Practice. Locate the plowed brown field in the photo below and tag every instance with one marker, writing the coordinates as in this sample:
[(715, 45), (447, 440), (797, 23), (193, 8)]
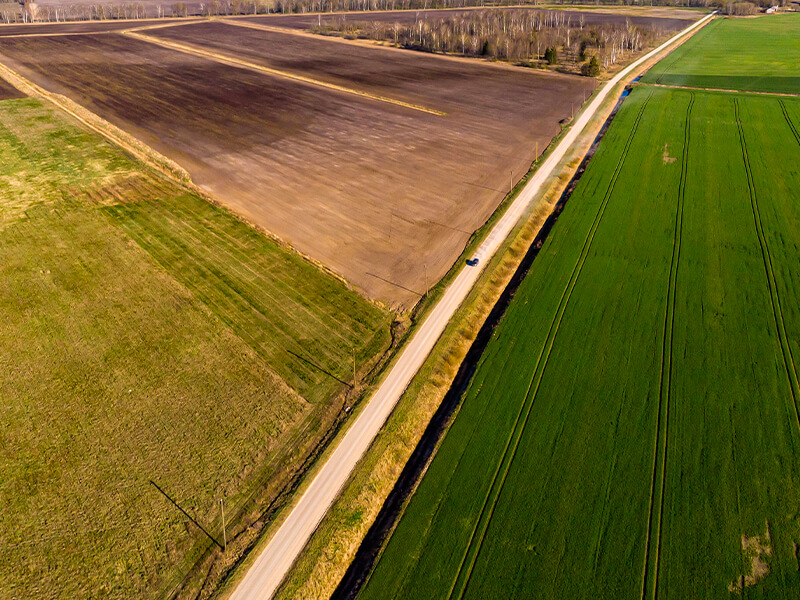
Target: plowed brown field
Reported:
[(8, 91), (379, 193)]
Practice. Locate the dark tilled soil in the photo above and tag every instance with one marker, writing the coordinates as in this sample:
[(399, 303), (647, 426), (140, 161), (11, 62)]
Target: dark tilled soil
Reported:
[(8, 91), (39, 29), (379, 193)]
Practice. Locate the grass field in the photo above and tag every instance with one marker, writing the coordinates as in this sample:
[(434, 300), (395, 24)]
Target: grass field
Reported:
[(146, 335), (759, 55), (632, 429)]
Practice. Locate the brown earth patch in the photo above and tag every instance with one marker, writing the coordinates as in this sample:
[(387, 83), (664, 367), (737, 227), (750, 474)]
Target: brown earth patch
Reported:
[(8, 91), (666, 157), (756, 549), (379, 193)]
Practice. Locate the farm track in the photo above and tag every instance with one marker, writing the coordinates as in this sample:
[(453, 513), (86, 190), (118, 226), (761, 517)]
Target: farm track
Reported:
[(650, 573), (237, 62), (769, 269), (495, 489), (724, 90)]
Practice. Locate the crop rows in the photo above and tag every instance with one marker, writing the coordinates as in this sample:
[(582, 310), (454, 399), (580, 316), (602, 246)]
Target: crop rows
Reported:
[(659, 457)]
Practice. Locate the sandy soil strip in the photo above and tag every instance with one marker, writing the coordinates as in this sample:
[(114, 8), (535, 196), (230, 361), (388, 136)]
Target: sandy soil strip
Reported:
[(236, 62)]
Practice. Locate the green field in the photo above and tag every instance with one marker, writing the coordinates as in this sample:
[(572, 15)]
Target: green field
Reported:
[(632, 429), (760, 54), (145, 335)]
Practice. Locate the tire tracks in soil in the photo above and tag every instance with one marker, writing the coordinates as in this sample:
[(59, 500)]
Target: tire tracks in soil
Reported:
[(464, 573)]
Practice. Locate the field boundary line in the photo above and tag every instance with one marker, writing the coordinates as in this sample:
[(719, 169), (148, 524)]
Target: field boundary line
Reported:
[(538, 373), (124, 140), (191, 21), (266, 569), (722, 90), (766, 257), (667, 68), (665, 377), (56, 34), (237, 62)]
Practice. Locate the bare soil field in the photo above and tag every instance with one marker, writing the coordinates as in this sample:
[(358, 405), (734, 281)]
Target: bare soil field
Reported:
[(673, 22), (8, 91), (384, 195), (40, 29)]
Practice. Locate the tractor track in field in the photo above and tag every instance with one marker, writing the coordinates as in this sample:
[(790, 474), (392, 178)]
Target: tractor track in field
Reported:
[(789, 122), (769, 269), (665, 384), (465, 569)]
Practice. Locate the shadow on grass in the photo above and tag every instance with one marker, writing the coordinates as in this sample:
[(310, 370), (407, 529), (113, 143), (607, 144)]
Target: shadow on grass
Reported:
[(318, 368)]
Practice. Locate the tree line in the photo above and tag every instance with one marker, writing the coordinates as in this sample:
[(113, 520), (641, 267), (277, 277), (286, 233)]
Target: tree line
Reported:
[(531, 38), (27, 11)]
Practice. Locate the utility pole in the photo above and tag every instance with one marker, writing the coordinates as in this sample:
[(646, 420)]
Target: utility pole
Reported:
[(224, 533), (511, 180), (426, 278), (537, 150)]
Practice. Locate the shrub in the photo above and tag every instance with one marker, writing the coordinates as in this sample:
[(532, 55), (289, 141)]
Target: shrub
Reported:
[(591, 68)]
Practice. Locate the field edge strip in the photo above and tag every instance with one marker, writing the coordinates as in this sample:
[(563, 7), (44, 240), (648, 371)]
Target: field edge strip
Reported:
[(521, 421), (237, 62), (127, 142)]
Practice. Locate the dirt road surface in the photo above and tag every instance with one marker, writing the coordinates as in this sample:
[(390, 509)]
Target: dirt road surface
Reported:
[(274, 562)]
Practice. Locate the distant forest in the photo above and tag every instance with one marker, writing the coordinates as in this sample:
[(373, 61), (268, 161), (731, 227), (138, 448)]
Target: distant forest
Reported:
[(26, 11), (530, 38)]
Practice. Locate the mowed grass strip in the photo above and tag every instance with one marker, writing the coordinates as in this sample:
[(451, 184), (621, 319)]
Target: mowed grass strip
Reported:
[(142, 335), (306, 326), (572, 517), (756, 55)]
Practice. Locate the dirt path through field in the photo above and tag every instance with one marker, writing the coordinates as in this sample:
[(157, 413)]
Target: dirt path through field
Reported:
[(726, 91)]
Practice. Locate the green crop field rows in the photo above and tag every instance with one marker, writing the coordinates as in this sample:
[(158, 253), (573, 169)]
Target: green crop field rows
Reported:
[(758, 55), (632, 429), (145, 335)]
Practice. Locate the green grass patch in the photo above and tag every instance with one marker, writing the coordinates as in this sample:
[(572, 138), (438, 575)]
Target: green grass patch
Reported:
[(635, 410), (146, 335), (756, 55)]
